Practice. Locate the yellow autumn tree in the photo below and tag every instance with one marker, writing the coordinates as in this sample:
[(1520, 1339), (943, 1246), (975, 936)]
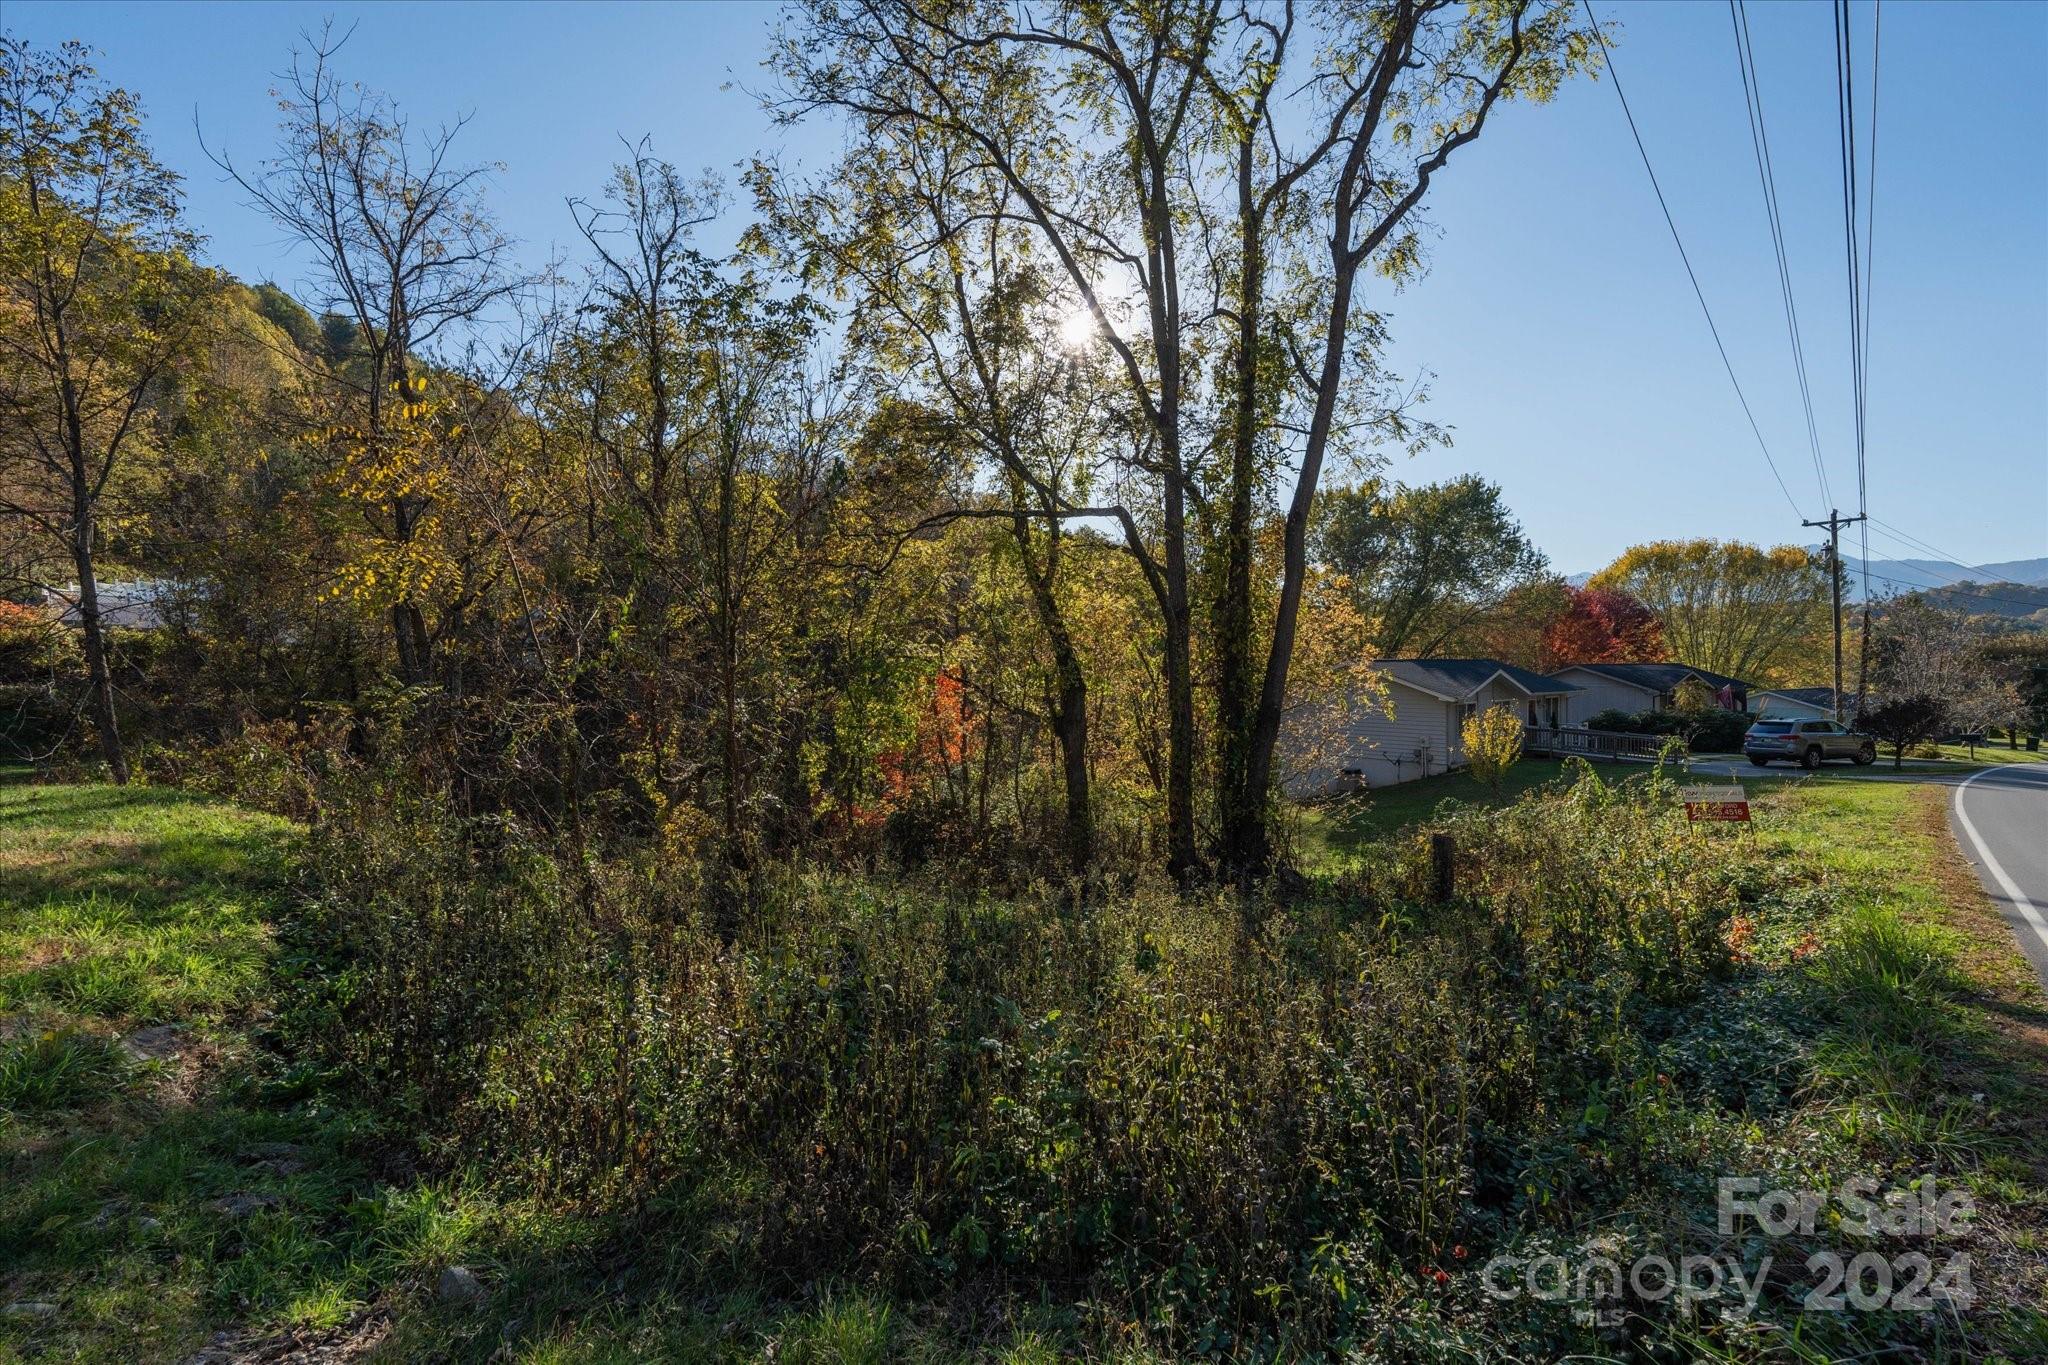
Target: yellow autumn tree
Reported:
[(1493, 742), (396, 478)]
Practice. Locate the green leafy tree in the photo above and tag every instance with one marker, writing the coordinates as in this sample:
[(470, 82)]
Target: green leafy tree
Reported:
[(1217, 184), (1427, 564), (99, 301)]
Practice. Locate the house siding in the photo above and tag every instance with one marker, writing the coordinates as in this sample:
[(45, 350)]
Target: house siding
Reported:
[(1416, 740), (1787, 708), (1598, 693)]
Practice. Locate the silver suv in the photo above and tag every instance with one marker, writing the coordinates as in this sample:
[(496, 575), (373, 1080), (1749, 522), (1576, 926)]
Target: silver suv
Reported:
[(1806, 742)]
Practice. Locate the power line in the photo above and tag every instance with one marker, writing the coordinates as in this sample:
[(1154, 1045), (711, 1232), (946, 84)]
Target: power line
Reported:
[(1859, 331), (1608, 55), (1975, 596), (1845, 110), (1760, 145), (1947, 578), (1869, 269), (1914, 540)]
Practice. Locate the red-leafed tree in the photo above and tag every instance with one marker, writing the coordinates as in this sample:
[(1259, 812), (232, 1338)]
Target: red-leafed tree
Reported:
[(1603, 626)]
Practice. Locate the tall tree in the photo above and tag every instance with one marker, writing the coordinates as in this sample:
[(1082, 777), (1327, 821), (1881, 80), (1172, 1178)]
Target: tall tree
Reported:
[(1211, 180), (1728, 606), (405, 250), (712, 450), (956, 303), (1399, 88), (1084, 117), (1425, 562), (1602, 626), (100, 300)]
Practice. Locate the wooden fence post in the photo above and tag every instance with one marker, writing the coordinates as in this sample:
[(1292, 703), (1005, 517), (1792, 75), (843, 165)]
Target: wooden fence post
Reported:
[(1443, 867)]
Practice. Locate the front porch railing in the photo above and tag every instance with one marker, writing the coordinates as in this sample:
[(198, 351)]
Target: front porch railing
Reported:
[(1589, 743)]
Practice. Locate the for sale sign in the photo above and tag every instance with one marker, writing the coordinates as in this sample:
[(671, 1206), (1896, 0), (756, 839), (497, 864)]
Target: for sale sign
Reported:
[(1728, 802)]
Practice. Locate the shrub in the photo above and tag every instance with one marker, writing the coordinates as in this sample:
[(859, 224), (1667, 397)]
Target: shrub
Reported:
[(1226, 1131), (276, 766), (1709, 731), (1492, 740)]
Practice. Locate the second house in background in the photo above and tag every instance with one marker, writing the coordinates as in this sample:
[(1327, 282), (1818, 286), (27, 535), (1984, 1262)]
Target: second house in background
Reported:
[(1636, 688)]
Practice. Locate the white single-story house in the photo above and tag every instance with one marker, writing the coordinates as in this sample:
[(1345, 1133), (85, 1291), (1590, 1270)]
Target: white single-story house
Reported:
[(126, 604), (1797, 703), (1415, 731), (1635, 688)]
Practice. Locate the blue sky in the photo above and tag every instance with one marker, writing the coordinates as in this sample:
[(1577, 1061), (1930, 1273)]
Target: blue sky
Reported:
[(1567, 351)]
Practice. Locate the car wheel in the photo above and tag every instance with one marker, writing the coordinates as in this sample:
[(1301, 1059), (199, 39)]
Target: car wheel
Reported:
[(1866, 755), (1810, 759), (1760, 762)]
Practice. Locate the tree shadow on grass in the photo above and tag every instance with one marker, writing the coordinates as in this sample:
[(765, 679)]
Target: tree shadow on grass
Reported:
[(162, 852)]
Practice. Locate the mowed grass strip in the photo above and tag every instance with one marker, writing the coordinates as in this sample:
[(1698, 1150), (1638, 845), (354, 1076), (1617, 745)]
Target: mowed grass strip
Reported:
[(132, 906), (148, 1173)]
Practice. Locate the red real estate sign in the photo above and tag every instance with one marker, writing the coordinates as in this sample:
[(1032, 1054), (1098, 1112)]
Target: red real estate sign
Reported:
[(1715, 803)]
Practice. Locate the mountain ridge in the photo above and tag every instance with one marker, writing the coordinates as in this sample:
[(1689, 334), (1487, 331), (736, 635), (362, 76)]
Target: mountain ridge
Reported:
[(1911, 575)]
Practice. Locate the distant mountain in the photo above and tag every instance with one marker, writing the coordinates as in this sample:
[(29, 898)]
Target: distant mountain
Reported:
[(1907, 575), (2020, 605), (1888, 576)]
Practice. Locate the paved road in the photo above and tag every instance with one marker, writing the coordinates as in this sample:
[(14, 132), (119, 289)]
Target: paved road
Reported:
[(2000, 817)]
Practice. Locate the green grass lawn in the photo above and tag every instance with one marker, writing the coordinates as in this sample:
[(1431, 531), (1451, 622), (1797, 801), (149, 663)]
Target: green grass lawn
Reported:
[(152, 1195), (1335, 829), (1963, 989), (1993, 753)]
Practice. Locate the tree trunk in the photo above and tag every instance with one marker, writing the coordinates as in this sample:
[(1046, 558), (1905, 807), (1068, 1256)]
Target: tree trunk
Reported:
[(1252, 837), (1183, 862), (1070, 701), (1242, 845), (409, 633), (99, 673), (1070, 723)]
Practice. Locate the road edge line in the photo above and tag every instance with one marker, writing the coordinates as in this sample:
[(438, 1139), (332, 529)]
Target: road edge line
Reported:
[(1991, 863)]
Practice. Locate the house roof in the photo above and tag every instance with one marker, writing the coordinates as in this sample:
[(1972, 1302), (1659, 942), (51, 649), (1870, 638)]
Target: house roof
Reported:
[(1661, 677), (1457, 679), (1810, 696)]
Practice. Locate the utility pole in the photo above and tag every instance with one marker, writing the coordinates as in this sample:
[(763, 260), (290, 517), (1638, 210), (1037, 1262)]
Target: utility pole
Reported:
[(1835, 522)]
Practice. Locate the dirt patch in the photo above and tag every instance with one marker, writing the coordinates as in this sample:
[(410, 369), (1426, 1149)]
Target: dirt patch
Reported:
[(46, 952)]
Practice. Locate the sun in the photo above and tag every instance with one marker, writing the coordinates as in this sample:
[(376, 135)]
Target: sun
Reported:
[(1077, 329)]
